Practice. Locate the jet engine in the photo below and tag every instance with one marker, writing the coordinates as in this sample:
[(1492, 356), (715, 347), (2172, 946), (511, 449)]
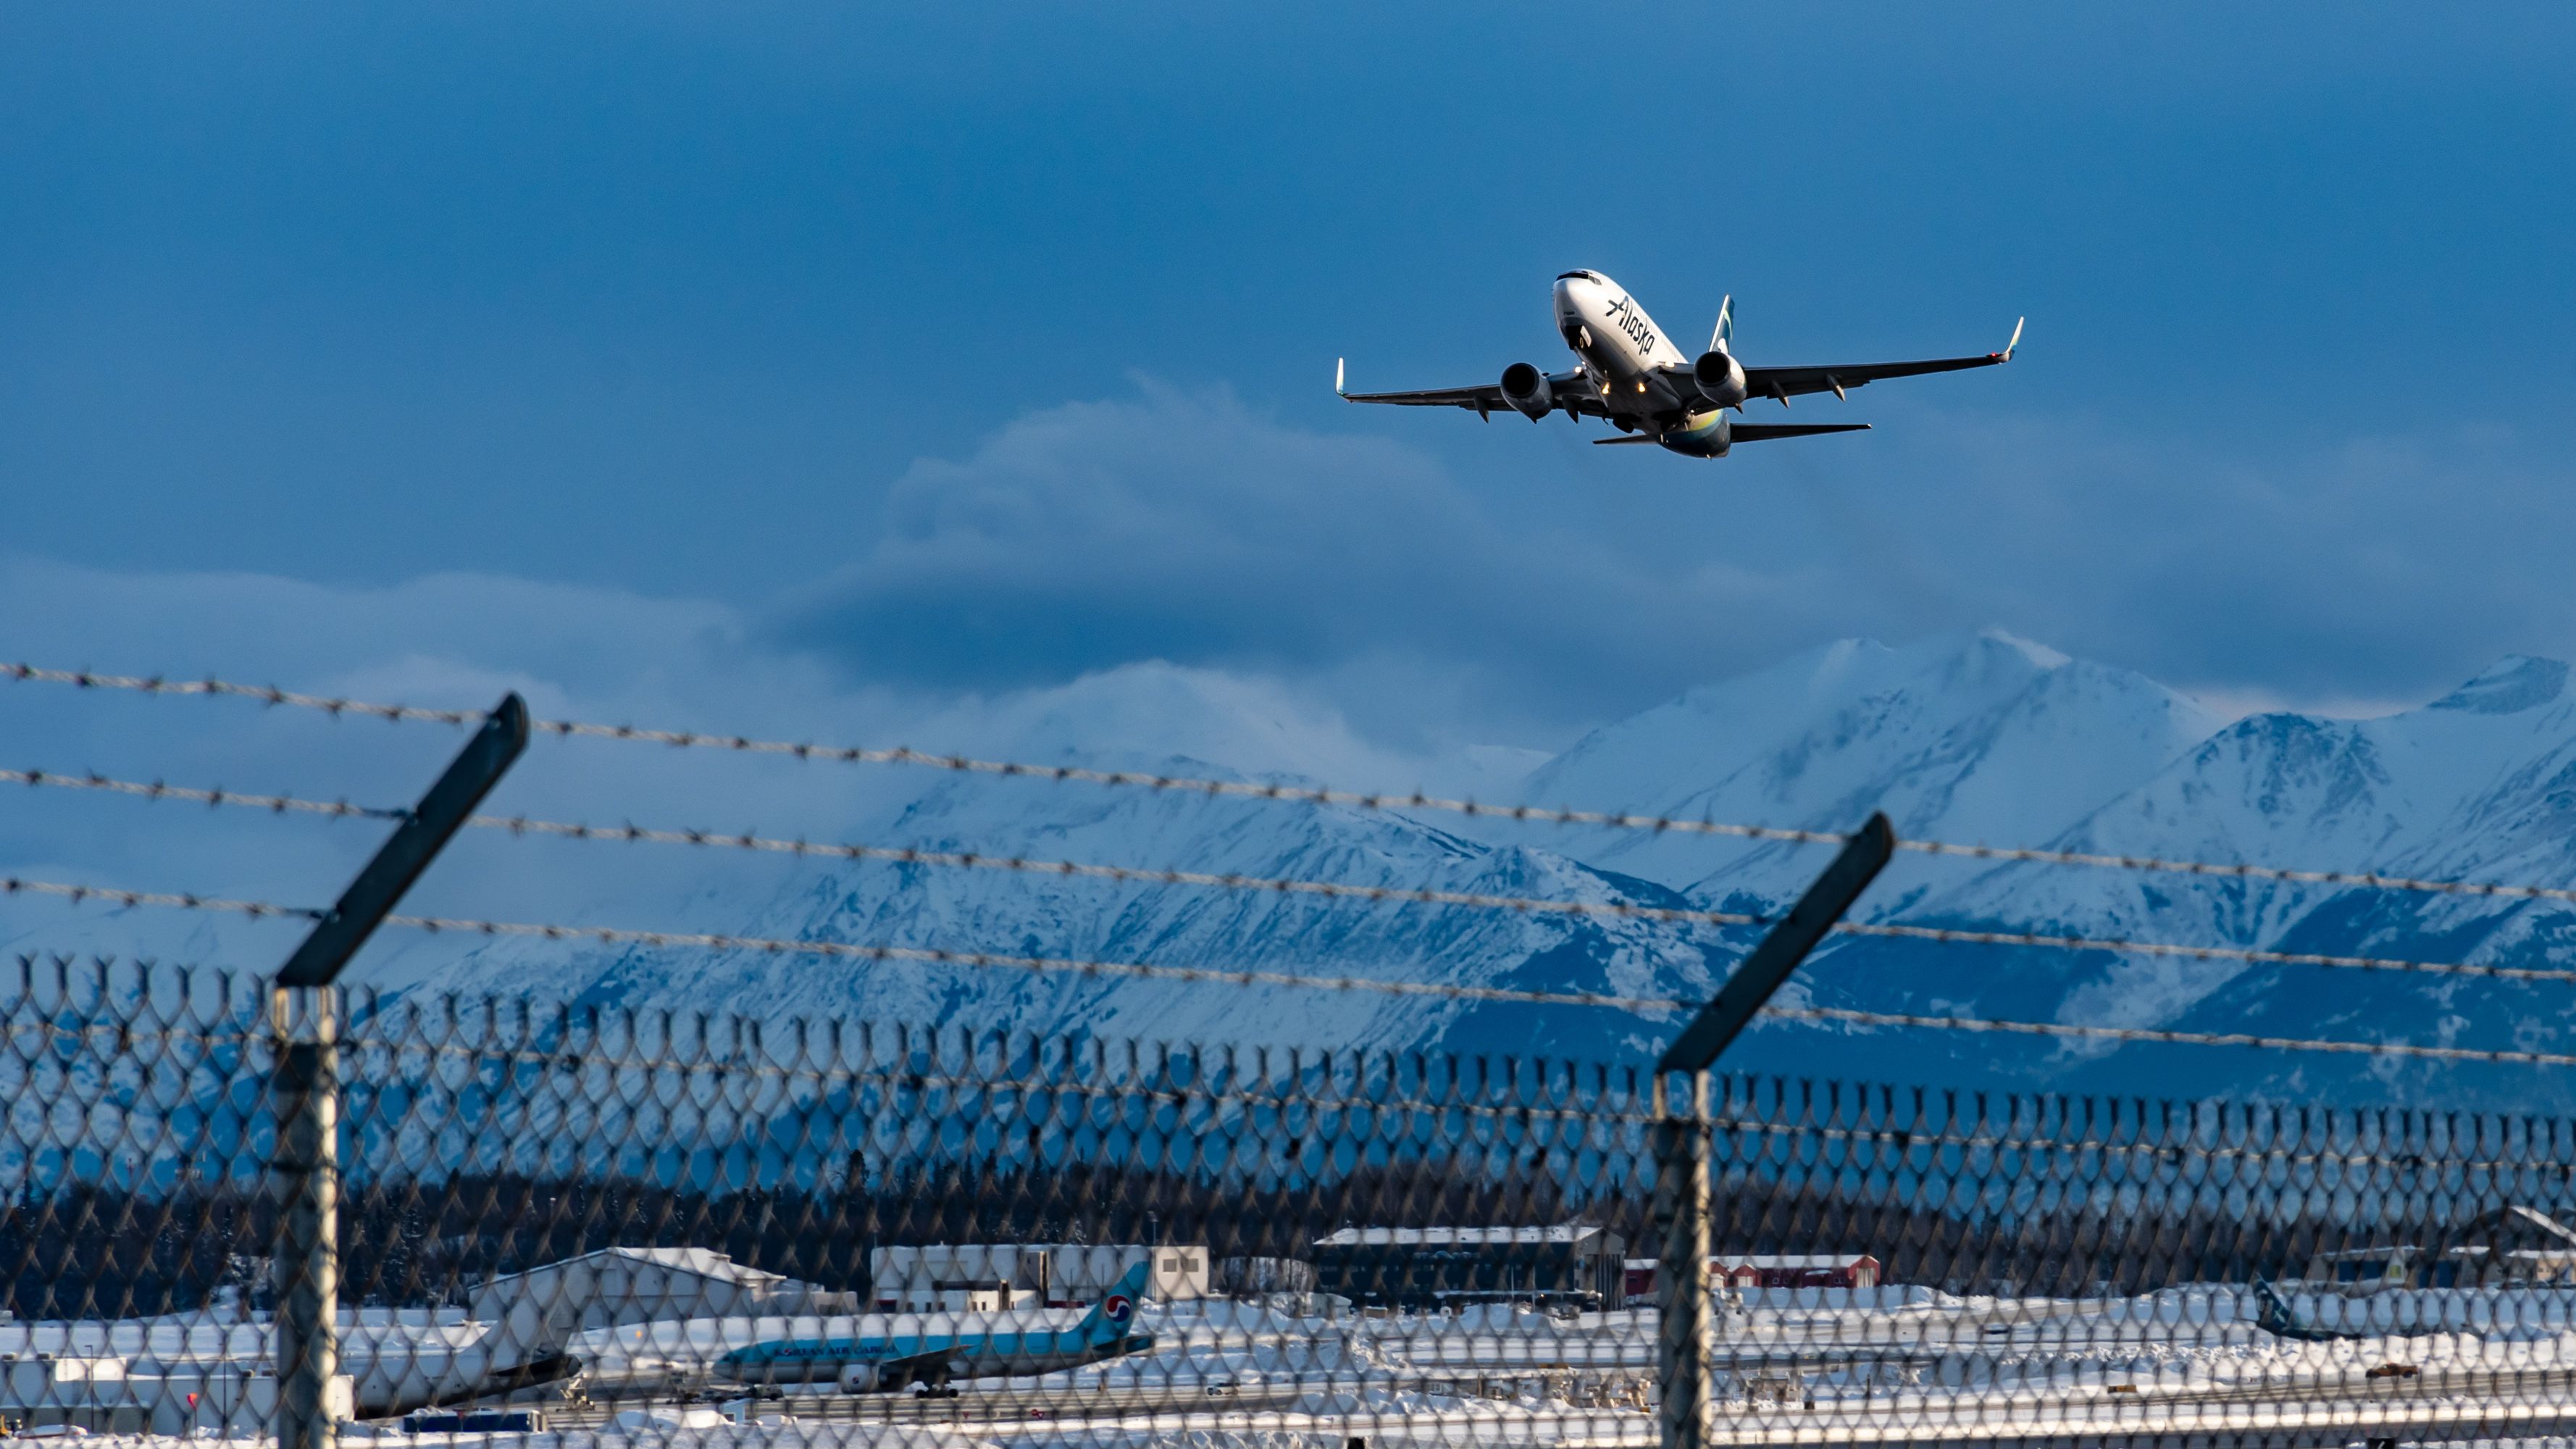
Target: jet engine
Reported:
[(1719, 377), (860, 1378), (1525, 388)]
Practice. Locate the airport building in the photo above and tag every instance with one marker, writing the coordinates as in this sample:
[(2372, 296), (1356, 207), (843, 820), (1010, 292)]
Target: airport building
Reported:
[(1261, 1277), (994, 1277), (1794, 1270), (1569, 1263), (2510, 1245), (616, 1286), (1639, 1282)]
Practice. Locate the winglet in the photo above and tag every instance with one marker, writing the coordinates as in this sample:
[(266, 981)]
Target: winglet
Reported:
[(2006, 354), (1337, 372)]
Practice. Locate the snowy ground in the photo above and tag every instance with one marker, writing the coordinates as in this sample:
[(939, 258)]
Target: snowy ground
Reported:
[(1879, 1366)]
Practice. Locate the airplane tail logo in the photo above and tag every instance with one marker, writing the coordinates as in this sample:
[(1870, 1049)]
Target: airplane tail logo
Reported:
[(1117, 1307)]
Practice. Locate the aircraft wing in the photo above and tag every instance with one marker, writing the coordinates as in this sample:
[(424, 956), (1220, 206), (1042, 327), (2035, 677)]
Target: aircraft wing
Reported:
[(1765, 432), (1568, 389), (1751, 433), (1785, 383)]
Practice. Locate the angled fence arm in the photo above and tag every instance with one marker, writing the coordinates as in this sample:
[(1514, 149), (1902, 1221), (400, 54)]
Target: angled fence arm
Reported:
[(1681, 1204), (414, 844), (305, 1094), (1767, 968)]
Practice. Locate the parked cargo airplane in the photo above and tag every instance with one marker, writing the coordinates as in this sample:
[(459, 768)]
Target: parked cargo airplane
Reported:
[(887, 1353), (2281, 1321), (1628, 371), (393, 1373), (392, 1369)]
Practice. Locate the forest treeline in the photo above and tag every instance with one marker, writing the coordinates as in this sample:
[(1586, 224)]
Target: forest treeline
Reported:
[(87, 1251)]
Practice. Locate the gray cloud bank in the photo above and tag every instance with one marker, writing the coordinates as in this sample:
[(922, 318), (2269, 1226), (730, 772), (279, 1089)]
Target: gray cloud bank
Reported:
[(1187, 527)]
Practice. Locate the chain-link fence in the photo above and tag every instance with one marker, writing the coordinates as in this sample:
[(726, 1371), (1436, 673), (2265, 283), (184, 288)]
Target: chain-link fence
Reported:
[(583, 1220)]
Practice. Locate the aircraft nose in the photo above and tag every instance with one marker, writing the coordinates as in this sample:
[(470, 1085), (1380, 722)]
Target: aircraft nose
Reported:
[(1575, 296)]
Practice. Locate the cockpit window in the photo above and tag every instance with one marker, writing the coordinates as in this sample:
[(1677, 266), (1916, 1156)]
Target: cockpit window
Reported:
[(1576, 276)]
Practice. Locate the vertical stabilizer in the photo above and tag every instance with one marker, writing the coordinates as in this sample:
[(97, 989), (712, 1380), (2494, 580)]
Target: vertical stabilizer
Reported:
[(2276, 1317), (1109, 1318), (1723, 339)]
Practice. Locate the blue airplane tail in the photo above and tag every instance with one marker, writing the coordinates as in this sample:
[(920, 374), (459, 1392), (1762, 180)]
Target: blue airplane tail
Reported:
[(2276, 1316), (1115, 1313)]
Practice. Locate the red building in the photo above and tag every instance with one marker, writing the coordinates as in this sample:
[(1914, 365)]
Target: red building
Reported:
[(1786, 1270), (1637, 1280), (1795, 1270)]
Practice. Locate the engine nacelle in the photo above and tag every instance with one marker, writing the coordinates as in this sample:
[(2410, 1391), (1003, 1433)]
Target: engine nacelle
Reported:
[(861, 1378), (1719, 377), (1525, 388)]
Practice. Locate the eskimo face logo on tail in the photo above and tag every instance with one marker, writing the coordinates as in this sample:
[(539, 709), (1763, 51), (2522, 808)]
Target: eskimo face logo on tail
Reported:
[(1118, 1308)]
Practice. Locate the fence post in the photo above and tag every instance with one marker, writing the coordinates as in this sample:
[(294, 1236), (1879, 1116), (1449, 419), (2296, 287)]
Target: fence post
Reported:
[(306, 1268), (1681, 1235), (304, 1022), (1681, 1132)]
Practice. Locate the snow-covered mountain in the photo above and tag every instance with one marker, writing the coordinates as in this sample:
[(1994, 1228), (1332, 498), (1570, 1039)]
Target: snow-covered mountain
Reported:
[(2480, 785), (1989, 739)]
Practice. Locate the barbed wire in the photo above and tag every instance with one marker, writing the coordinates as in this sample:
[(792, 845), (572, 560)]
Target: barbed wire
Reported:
[(2075, 1032), (336, 706), (1947, 935), (156, 790), (611, 935), (614, 936), (908, 855), (212, 687), (618, 936), (76, 894), (1413, 895)]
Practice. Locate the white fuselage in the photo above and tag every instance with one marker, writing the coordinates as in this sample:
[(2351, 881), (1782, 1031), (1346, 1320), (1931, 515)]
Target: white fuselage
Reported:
[(1617, 343)]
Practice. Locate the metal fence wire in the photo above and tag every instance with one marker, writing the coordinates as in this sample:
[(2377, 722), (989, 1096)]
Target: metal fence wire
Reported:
[(438, 1215)]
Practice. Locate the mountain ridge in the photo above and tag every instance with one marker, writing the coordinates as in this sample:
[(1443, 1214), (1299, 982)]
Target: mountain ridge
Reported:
[(1989, 738)]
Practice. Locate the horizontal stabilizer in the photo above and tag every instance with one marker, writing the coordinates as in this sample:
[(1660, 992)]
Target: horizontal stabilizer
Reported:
[(1631, 438), (1765, 432)]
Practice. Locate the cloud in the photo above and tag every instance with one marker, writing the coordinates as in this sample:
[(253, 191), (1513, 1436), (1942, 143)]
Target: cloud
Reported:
[(1183, 526), (574, 652), (1423, 606), (2369, 570)]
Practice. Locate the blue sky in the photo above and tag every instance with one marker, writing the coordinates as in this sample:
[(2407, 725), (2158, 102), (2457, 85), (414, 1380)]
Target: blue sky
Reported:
[(950, 350)]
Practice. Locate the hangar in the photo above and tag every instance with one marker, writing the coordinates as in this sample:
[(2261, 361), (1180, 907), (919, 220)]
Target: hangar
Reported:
[(995, 1277), (616, 1286), (1575, 1263)]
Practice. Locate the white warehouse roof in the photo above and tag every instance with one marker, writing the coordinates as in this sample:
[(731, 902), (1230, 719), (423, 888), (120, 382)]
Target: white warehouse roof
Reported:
[(693, 1262), (1385, 1237)]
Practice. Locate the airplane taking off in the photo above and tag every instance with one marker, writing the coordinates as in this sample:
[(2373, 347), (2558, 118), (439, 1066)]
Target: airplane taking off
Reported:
[(1628, 371)]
